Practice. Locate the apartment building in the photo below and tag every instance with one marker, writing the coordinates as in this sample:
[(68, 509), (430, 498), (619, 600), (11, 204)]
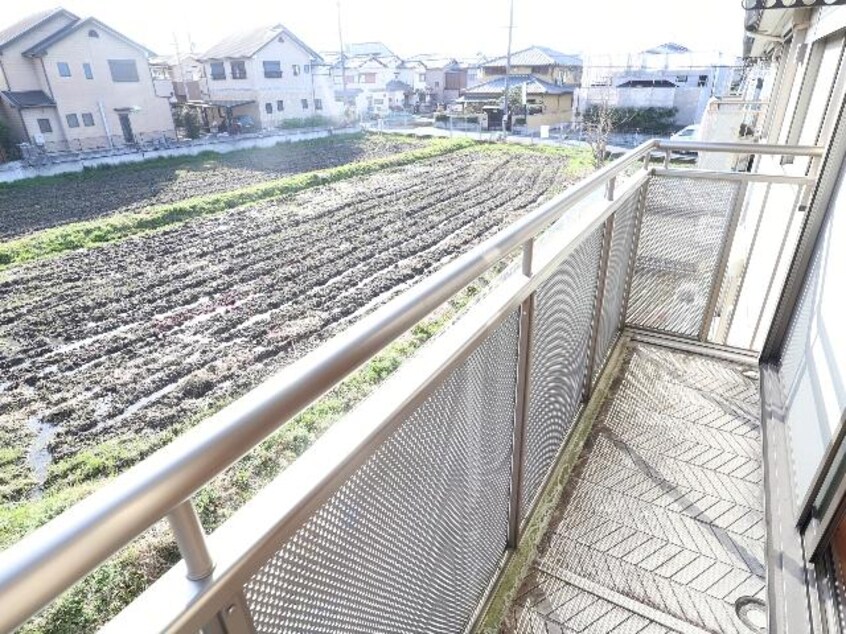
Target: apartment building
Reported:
[(269, 75), (68, 83)]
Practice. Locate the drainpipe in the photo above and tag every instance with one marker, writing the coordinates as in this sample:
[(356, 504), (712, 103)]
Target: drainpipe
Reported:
[(105, 124)]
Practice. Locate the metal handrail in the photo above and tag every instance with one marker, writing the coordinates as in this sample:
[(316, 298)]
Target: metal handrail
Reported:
[(53, 557)]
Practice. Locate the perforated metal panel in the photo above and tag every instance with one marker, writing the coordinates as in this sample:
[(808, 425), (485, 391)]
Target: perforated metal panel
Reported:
[(615, 279), (684, 226), (560, 341), (410, 542)]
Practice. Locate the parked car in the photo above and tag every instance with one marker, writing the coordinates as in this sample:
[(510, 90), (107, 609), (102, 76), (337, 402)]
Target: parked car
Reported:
[(688, 133)]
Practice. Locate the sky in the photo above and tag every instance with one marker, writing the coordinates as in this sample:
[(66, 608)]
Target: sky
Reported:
[(457, 28)]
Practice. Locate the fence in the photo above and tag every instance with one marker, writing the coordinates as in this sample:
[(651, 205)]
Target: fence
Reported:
[(400, 516), (103, 146)]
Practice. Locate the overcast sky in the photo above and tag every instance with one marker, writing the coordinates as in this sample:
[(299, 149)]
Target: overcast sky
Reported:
[(449, 27)]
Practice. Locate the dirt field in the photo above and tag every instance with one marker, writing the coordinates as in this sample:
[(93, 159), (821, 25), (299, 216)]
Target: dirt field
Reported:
[(64, 199), (137, 336)]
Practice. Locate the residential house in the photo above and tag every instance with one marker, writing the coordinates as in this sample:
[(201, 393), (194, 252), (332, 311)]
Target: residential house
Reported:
[(444, 77), (69, 83), (377, 80), (546, 79), (185, 74), (667, 76), (266, 74)]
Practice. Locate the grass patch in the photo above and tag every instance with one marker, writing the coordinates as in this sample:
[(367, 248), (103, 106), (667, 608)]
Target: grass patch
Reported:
[(51, 242), (579, 159)]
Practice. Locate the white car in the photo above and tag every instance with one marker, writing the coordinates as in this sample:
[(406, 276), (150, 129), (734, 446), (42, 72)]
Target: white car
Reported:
[(690, 133)]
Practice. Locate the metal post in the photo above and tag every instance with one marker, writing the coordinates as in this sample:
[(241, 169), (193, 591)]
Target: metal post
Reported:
[(528, 254), (666, 159), (607, 233), (647, 158), (609, 189), (191, 540), (521, 414), (722, 263)]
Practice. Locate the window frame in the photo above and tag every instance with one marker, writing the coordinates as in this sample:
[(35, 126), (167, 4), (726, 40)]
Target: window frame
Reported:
[(72, 120), (87, 70), (241, 65), (318, 104), (41, 125), (278, 73), (117, 64), (63, 66), (86, 117), (280, 105), (295, 69), (268, 107), (304, 104), (217, 76)]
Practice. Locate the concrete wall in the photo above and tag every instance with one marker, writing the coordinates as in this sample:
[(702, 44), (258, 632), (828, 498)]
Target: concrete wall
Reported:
[(17, 170)]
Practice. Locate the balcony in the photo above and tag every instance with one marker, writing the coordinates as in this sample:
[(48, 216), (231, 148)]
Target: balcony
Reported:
[(581, 450)]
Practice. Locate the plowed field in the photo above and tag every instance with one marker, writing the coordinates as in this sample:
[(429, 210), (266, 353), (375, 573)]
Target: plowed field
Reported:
[(137, 336)]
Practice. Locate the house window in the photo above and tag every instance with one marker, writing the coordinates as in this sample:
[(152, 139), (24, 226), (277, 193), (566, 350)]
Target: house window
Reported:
[(88, 119), (703, 81), (123, 70), (306, 69), (93, 33), (369, 78), (86, 68), (64, 69), (73, 120), (305, 103), (437, 84), (280, 106), (272, 69), (318, 104), (421, 77), (239, 70), (681, 79), (44, 126), (296, 69), (268, 108), (218, 71)]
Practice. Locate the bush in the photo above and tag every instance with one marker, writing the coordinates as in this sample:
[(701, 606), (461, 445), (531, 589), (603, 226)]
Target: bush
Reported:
[(315, 121), (519, 121), (441, 118), (651, 120)]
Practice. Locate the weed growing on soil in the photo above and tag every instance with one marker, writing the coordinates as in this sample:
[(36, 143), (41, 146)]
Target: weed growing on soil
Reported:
[(91, 233), (111, 587)]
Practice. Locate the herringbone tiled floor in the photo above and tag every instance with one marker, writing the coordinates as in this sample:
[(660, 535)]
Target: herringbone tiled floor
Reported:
[(661, 527)]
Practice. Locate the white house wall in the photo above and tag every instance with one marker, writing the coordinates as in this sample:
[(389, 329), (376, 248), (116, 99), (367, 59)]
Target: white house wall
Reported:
[(101, 96)]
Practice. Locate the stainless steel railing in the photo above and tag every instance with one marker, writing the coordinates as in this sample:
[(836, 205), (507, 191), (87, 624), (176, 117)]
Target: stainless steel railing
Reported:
[(562, 309)]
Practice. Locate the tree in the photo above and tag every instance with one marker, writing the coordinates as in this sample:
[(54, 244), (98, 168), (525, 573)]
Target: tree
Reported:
[(599, 121)]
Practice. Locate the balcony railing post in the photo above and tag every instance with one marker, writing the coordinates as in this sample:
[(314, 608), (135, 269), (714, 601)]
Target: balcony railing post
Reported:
[(521, 414), (666, 159), (607, 233), (521, 404), (191, 541), (609, 189), (722, 263), (630, 269)]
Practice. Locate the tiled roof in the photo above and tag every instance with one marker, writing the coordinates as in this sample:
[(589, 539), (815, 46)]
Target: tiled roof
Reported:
[(248, 43), (41, 47), (28, 98), (534, 86), (538, 56), (21, 27), (668, 47)]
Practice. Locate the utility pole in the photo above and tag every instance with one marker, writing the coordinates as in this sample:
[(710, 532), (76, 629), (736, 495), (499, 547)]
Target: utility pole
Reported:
[(343, 62), (507, 69)]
